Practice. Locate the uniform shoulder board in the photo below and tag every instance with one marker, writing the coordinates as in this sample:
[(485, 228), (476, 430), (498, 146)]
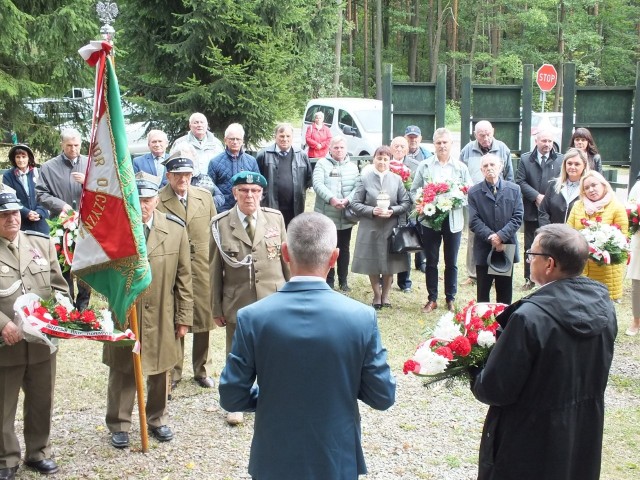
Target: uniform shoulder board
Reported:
[(271, 210), (176, 219), (221, 215), (37, 234)]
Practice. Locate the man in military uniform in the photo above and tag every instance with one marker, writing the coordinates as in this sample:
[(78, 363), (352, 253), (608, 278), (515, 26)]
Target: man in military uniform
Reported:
[(165, 312), (194, 206), (28, 264), (247, 263)]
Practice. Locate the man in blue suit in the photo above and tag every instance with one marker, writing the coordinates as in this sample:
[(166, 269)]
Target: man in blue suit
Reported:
[(152, 162), (314, 353)]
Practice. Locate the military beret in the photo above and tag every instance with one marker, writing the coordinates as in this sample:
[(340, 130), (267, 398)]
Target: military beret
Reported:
[(181, 161), (9, 202), (147, 184), (248, 178)]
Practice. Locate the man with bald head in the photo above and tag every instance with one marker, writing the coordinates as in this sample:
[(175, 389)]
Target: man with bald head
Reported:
[(535, 170), (204, 141), (471, 155)]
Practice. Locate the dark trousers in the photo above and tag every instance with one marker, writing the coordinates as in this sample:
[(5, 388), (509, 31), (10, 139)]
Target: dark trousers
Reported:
[(431, 240), (344, 240), (404, 280), (84, 291), (288, 216), (530, 228), (503, 283)]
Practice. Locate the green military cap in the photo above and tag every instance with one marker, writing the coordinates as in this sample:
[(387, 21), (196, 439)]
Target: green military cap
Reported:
[(248, 178)]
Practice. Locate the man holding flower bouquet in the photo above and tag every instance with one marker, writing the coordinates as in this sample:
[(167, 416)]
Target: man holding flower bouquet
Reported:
[(28, 262), (546, 375), (440, 189)]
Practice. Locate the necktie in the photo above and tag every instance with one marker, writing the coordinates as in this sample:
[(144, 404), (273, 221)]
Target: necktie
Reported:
[(250, 227), (183, 201), (544, 158), (283, 153), (495, 190), (159, 166), (146, 231), (13, 249)]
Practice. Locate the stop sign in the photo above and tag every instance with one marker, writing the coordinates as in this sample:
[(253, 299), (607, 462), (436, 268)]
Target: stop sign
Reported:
[(547, 77)]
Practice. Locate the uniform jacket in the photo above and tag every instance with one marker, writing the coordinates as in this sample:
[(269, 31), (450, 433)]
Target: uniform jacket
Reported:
[(534, 179), (471, 155), (147, 163), (38, 272), (223, 167), (424, 174), (300, 169), (372, 255), (55, 187), (334, 179), (544, 381), (314, 353), (234, 288), (633, 269), (614, 212), (200, 211), (28, 200), (167, 302), (554, 208), (501, 214)]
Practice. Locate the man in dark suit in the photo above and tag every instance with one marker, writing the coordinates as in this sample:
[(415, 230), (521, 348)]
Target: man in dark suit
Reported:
[(314, 353), (152, 162), (28, 262), (535, 170)]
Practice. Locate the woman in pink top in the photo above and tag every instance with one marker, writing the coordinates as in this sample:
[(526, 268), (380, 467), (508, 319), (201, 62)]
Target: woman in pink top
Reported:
[(318, 137)]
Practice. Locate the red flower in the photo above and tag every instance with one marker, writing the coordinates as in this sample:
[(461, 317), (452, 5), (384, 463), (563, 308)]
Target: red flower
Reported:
[(53, 322), (584, 222), (635, 220), (58, 247), (41, 311), (472, 335), (598, 219), (61, 312), (74, 315), (444, 352), (88, 316), (410, 366), (460, 346)]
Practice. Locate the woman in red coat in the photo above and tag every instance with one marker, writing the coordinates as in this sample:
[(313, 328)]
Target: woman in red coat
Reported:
[(318, 137)]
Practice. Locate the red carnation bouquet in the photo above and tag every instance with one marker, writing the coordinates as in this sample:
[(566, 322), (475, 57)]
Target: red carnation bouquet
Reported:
[(64, 231), (58, 318), (458, 341)]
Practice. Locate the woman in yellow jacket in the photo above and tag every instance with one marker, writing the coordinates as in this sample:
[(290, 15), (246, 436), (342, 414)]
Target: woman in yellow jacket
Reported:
[(597, 199)]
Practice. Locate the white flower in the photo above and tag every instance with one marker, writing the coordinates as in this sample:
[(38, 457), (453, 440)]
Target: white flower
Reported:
[(446, 329), (486, 338), (444, 203), (72, 226), (430, 363), (64, 301), (106, 323), (429, 209), (59, 233)]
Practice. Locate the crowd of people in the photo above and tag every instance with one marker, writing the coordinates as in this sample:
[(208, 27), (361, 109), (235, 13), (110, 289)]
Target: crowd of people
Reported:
[(226, 234)]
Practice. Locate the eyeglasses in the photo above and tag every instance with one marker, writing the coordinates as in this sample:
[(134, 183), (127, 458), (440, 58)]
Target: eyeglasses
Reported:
[(250, 191), (235, 139), (531, 254)]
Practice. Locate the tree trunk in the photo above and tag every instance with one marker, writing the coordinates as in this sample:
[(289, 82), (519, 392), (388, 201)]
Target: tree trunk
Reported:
[(350, 15), (454, 48), (413, 42), (430, 33), (436, 42), (378, 49), (476, 30), (365, 70), (338, 51)]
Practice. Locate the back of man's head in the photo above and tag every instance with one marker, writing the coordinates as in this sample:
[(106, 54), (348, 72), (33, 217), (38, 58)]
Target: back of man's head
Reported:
[(567, 246), (311, 239)]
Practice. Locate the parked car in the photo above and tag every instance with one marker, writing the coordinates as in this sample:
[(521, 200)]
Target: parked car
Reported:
[(358, 119)]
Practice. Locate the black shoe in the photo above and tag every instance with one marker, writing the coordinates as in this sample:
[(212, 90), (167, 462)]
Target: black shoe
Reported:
[(423, 267), (46, 466), (345, 288), (162, 433), (8, 473), (205, 382), (120, 439)]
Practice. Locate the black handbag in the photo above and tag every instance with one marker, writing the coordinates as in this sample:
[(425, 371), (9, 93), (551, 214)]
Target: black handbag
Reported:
[(405, 239)]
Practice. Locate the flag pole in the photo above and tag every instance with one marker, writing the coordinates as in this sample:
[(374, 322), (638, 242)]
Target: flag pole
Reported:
[(137, 369)]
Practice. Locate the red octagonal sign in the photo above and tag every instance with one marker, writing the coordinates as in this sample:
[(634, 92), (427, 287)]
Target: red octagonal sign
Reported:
[(547, 77)]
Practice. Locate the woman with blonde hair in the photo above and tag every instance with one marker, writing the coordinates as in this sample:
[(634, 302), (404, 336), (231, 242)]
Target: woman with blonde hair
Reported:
[(598, 203), (564, 190)]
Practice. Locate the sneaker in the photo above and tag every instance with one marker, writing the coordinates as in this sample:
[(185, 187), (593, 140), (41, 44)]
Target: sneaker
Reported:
[(235, 418)]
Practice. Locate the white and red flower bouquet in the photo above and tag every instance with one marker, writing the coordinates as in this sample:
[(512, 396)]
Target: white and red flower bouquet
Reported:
[(607, 244), (458, 341), (64, 231), (58, 318), (435, 200), (633, 212), (403, 171)]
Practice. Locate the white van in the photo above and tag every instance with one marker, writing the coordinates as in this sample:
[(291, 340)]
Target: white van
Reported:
[(358, 119)]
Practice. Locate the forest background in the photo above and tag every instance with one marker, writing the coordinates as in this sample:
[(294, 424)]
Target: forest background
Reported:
[(257, 62)]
